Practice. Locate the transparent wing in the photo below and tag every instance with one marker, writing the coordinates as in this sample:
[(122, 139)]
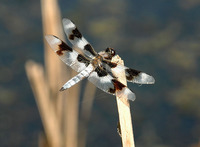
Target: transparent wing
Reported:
[(138, 77), (76, 61), (76, 38)]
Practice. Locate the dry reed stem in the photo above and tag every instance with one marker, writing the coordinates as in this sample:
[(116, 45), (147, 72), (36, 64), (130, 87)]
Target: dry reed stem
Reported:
[(59, 111), (67, 109), (42, 140), (71, 117), (86, 109), (51, 21), (124, 111), (39, 86)]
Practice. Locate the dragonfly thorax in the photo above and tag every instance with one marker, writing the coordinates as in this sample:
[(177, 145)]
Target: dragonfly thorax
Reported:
[(97, 61)]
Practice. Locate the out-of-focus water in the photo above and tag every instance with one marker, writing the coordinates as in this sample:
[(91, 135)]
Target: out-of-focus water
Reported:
[(159, 37)]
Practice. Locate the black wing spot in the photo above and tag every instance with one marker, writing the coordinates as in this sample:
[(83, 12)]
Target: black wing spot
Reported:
[(83, 59), (111, 90), (90, 49), (75, 33), (63, 47), (101, 72), (131, 73), (71, 37), (110, 64), (117, 86)]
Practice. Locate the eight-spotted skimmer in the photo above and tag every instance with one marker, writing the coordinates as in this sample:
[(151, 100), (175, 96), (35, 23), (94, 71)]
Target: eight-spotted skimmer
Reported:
[(96, 66)]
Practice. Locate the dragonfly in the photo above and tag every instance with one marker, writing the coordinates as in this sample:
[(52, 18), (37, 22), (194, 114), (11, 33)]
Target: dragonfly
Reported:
[(97, 67)]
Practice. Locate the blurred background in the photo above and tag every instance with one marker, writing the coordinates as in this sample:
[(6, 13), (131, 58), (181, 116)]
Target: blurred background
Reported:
[(159, 37)]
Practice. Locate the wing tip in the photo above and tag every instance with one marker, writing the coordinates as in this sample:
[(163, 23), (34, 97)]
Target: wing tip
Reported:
[(65, 19), (49, 38), (126, 93), (144, 78), (152, 80), (130, 95), (53, 41), (67, 22)]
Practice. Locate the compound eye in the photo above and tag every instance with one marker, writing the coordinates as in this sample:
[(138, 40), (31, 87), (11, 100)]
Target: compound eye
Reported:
[(112, 52), (107, 50)]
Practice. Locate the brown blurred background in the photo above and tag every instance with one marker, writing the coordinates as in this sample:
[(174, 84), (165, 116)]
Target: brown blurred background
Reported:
[(158, 37)]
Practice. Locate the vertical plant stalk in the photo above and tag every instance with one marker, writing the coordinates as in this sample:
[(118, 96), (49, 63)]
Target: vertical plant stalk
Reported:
[(42, 140), (124, 111), (51, 21), (35, 73), (59, 116), (71, 117), (85, 113), (55, 70), (66, 102)]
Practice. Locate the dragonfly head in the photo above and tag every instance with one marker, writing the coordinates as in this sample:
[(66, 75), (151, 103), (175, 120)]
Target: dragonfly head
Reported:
[(110, 52)]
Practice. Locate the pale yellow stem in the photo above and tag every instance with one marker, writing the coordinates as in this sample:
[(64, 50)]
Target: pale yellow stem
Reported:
[(124, 111), (35, 74)]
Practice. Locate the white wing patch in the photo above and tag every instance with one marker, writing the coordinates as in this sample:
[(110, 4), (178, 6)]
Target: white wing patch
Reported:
[(126, 92), (103, 83), (143, 78)]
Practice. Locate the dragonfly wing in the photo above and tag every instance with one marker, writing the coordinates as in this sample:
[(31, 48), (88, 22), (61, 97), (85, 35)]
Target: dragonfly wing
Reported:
[(132, 75), (77, 39), (76, 61), (104, 81)]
